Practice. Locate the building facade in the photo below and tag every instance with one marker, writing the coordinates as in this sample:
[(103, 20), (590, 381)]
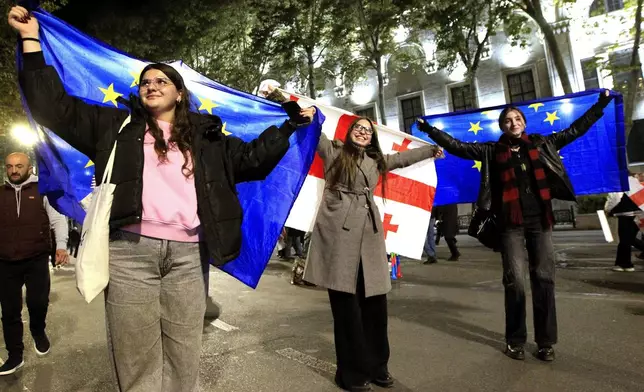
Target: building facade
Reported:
[(589, 32)]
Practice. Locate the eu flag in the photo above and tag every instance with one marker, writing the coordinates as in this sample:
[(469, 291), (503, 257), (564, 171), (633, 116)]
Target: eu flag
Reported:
[(99, 75), (596, 162)]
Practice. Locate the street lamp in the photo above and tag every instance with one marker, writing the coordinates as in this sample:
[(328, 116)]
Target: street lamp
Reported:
[(24, 135)]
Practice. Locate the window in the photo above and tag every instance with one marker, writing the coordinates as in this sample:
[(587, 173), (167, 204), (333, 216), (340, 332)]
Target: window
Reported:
[(369, 113), (600, 7), (620, 61), (461, 98), (411, 110), (521, 86), (589, 70)]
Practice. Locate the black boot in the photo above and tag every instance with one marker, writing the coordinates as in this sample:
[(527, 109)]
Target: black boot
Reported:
[(451, 244)]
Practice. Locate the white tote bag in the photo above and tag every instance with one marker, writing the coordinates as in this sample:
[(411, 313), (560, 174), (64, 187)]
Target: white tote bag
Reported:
[(93, 261)]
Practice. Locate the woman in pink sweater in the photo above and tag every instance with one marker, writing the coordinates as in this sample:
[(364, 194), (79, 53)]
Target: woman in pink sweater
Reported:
[(175, 206)]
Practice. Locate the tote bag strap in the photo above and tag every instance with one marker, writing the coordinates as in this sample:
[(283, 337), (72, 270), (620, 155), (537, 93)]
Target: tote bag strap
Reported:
[(107, 174)]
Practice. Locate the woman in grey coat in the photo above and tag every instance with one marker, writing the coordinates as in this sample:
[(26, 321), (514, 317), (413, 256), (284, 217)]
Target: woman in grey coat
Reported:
[(347, 254)]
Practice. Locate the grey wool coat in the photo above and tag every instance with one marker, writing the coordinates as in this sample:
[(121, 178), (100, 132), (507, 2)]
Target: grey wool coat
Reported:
[(348, 227)]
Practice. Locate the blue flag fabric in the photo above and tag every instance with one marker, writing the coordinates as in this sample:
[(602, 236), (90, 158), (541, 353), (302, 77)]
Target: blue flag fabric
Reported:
[(99, 74), (596, 162)]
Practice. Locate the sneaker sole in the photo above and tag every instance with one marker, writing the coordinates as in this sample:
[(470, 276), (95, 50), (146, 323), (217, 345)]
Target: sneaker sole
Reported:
[(12, 371), (41, 354)]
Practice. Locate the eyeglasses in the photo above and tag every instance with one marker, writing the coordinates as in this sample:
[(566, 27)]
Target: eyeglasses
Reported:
[(362, 129), (158, 83)]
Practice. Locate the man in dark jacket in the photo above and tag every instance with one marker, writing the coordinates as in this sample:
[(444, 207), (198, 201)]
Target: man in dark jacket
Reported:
[(520, 175), (25, 244), (448, 216)]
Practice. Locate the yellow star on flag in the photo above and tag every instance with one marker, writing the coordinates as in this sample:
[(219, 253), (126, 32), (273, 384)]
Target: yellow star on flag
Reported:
[(89, 164), (551, 117), (224, 131), (535, 106), (207, 105), (477, 165), (110, 94), (475, 127), (136, 76)]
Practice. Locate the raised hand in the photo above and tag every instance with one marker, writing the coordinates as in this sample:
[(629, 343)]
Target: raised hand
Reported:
[(308, 113), (604, 98), (24, 23)]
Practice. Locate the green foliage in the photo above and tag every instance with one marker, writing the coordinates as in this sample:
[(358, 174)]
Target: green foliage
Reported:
[(590, 204), (463, 29)]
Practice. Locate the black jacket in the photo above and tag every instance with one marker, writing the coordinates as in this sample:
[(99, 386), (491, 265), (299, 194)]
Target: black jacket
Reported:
[(491, 188), (220, 161)]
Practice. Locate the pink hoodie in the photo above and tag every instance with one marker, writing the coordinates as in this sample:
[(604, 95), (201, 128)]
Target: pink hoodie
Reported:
[(169, 198)]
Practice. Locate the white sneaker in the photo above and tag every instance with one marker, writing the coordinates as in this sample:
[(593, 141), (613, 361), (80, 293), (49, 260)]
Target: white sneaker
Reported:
[(10, 367), (622, 269)]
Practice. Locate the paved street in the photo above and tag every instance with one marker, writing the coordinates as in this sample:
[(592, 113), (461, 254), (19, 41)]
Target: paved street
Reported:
[(446, 331)]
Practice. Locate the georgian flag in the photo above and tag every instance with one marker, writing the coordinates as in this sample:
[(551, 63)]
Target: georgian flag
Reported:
[(637, 195), (636, 192), (409, 195)]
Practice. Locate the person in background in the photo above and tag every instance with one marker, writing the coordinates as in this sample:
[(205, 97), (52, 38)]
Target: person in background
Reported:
[(25, 242), (295, 239), (448, 216), (639, 242), (628, 215), (430, 240)]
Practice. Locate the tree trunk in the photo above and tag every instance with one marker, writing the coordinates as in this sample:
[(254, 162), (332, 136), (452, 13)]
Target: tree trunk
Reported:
[(636, 69), (553, 47), (311, 72), (381, 90), (474, 92)]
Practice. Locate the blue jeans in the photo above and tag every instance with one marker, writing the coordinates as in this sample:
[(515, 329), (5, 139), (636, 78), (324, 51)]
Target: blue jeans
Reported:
[(155, 310), (540, 262), (430, 241)]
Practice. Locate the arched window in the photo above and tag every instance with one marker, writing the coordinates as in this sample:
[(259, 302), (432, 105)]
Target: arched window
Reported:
[(600, 7)]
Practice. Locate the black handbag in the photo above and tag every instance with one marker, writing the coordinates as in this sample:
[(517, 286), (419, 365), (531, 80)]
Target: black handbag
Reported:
[(485, 228)]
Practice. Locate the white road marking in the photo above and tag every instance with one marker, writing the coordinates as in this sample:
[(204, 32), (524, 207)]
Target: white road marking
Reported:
[(307, 360), (486, 282), (223, 326)]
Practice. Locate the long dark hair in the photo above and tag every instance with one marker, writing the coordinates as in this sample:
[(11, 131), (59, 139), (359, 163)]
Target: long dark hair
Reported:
[(345, 165), (180, 135)]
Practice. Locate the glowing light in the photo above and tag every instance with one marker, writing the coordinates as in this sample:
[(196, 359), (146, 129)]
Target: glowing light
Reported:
[(566, 108), (515, 56), (430, 50), (400, 34), (24, 135), (438, 125), (492, 114), (458, 73), (324, 100), (362, 94)]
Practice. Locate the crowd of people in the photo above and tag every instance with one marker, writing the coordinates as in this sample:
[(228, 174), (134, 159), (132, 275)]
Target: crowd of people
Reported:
[(160, 247)]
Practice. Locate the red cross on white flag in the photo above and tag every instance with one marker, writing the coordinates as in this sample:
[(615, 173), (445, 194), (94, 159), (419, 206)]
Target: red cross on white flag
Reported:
[(410, 191), (636, 192)]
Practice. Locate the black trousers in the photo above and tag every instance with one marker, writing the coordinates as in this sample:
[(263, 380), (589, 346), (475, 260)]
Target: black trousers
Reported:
[(541, 264), (294, 238), (34, 274), (360, 329), (627, 230)]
